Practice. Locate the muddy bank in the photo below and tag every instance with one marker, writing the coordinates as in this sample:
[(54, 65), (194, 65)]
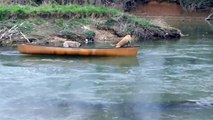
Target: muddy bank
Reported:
[(55, 32), (168, 10), (76, 23)]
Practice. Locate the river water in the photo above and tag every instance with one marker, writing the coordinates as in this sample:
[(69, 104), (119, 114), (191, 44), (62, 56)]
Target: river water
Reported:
[(168, 80)]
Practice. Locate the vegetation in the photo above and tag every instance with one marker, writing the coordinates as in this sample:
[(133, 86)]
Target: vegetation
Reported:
[(74, 22), (127, 4), (7, 12), (60, 11), (61, 2), (89, 34)]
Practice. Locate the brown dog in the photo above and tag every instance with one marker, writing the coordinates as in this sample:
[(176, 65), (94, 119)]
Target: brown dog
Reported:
[(125, 41)]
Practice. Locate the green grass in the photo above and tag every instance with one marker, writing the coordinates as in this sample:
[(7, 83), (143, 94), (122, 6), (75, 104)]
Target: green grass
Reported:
[(141, 21), (38, 21), (79, 22), (111, 22), (7, 11)]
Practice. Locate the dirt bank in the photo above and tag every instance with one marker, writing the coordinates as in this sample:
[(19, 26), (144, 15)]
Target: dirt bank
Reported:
[(82, 24), (96, 30), (167, 10)]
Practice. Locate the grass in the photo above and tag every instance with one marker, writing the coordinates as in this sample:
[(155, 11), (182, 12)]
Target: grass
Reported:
[(59, 11), (111, 22), (141, 21), (79, 22), (38, 21), (7, 11)]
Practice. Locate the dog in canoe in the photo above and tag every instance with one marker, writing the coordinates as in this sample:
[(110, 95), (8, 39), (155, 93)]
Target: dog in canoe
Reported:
[(125, 41)]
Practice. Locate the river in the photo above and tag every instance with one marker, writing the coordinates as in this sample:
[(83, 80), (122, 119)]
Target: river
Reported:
[(168, 80)]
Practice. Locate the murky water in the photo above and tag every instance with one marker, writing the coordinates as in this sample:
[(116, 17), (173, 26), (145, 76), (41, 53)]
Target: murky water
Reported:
[(168, 80)]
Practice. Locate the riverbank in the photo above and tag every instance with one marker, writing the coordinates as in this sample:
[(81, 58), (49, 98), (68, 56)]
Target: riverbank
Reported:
[(54, 24), (169, 10)]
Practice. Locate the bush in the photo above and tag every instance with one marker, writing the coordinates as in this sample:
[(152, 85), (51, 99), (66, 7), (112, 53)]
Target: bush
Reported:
[(110, 22), (89, 34), (4, 14)]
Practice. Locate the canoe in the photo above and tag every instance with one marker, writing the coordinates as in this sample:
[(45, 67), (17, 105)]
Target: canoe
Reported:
[(45, 50)]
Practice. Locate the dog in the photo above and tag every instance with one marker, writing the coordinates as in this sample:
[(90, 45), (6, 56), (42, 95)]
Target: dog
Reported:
[(125, 41), (72, 44)]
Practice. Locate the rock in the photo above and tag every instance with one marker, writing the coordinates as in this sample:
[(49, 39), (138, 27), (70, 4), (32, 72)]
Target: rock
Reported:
[(172, 34)]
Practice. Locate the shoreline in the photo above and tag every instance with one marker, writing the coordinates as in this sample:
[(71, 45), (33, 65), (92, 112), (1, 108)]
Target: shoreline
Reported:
[(76, 23), (174, 18)]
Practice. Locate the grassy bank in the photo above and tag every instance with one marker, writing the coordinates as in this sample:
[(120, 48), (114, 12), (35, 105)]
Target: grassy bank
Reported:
[(189, 5), (55, 10), (60, 11), (75, 22)]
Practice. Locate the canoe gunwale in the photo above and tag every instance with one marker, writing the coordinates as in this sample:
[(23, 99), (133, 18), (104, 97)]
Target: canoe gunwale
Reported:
[(134, 46)]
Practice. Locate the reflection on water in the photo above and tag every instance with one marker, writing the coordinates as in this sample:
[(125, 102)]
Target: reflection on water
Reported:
[(193, 29), (168, 80)]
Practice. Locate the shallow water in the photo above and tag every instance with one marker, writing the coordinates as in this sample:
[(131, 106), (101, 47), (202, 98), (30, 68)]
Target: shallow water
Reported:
[(168, 80)]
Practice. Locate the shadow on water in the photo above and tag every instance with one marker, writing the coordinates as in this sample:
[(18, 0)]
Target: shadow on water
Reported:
[(143, 105), (125, 110), (193, 28)]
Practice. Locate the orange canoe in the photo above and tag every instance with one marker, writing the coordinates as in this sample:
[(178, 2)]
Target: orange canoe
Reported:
[(44, 50)]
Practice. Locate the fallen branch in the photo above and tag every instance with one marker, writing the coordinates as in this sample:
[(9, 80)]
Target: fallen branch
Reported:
[(210, 17), (25, 37), (7, 31)]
